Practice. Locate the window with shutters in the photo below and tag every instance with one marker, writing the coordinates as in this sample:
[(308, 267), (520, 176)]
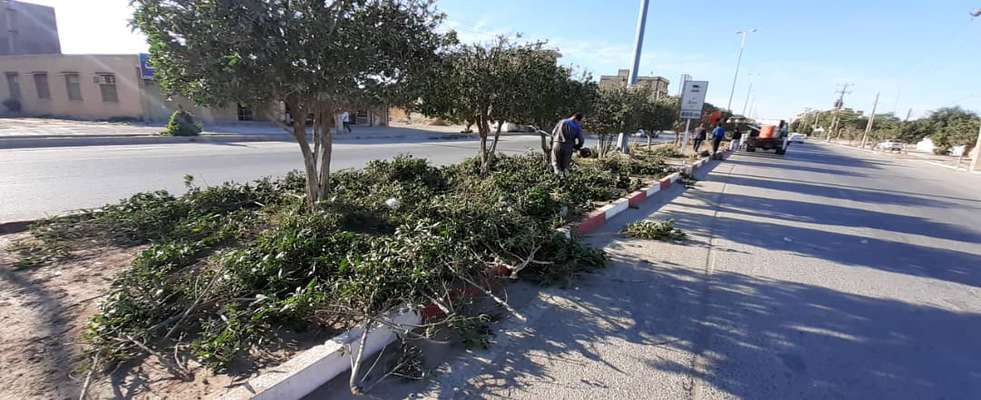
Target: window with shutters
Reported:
[(41, 84), (74, 87), (107, 85), (13, 85)]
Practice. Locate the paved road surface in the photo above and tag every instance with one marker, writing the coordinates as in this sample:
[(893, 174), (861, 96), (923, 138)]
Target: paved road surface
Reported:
[(39, 182), (828, 274)]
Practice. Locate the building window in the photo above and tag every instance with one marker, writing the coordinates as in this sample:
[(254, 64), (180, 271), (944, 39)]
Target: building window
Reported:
[(13, 85), (107, 85), (245, 113), (41, 84), (74, 87)]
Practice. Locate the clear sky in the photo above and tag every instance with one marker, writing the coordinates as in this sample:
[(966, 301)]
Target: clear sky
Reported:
[(920, 54)]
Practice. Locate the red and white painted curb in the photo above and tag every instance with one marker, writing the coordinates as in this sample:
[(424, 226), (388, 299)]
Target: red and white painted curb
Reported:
[(313, 368), (596, 219)]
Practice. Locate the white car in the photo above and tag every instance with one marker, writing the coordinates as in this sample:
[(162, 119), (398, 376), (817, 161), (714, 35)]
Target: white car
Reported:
[(797, 137), (890, 145)]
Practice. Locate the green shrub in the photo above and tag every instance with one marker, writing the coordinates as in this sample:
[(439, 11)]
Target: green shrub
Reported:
[(245, 261), (654, 230), (181, 124)]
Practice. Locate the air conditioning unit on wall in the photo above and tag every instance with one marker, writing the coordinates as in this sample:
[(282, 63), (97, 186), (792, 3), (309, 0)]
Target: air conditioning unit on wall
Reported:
[(104, 79)]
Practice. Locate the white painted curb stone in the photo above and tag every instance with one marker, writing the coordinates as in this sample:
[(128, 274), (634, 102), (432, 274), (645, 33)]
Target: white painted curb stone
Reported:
[(615, 208), (653, 189), (310, 369)]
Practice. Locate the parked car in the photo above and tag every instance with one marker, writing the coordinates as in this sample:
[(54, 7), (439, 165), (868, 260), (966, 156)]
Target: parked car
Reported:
[(797, 137), (890, 145)]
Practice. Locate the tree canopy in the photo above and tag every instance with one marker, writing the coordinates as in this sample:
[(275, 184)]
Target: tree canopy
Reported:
[(503, 80), (316, 57), (947, 126)]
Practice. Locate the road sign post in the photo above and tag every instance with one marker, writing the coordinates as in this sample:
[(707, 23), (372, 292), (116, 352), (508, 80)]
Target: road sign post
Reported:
[(692, 102)]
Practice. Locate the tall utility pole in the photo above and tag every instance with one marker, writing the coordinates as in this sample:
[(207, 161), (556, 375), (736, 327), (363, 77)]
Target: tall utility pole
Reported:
[(868, 126), (739, 59), (748, 92), (803, 121), (838, 105), (639, 46), (976, 164)]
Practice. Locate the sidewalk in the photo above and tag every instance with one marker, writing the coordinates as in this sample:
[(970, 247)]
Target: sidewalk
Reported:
[(40, 132)]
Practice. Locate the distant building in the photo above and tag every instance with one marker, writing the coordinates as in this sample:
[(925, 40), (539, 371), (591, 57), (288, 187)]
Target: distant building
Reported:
[(46, 83), (97, 87), (115, 87), (657, 84), (27, 29)]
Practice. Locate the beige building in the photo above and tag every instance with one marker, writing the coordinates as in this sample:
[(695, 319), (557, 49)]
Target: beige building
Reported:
[(96, 87), (113, 87), (27, 29), (658, 85)]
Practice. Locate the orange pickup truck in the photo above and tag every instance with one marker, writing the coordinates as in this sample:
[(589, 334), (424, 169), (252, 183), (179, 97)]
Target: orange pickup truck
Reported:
[(768, 137)]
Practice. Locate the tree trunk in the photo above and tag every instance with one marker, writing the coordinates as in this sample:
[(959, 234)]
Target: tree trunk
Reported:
[(546, 148), (316, 142), (484, 129), (327, 123), (497, 136), (309, 157)]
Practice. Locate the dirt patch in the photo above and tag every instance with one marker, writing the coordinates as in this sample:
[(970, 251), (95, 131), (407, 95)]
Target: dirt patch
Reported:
[(43, 313)]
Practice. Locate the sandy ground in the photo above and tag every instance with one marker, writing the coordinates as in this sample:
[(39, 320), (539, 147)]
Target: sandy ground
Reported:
[(43, 312)]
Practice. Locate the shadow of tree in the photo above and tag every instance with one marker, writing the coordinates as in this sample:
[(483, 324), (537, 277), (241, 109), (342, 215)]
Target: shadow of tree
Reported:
[(48, 343)]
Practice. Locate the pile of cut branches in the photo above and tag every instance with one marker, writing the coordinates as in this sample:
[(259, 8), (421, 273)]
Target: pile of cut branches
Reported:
[(228, 268)]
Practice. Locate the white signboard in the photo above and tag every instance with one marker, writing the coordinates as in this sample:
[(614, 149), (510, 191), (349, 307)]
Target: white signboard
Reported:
[(693, 98)]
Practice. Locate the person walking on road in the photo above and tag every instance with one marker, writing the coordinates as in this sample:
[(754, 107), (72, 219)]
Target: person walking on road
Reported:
[(698, 138), (718, 134), (346, 121), (737, 140), (566, 138)]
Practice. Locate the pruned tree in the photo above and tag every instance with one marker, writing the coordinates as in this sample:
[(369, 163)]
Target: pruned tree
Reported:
[(616, 110), (316, 57), (556, 94), (490, 83)]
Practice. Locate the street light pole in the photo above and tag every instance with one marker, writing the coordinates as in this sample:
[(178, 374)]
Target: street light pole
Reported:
[(639, 44), (748, 92), (739, 59)]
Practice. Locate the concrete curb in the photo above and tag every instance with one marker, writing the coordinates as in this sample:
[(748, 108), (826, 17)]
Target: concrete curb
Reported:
[(23, 142), (15, 226), (61, 141), (596, 219), (312, 368)]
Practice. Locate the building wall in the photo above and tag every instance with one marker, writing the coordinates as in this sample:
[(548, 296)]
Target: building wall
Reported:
[(123, 68), (658, 85), (27, 29), (136, 98), (159, 106)]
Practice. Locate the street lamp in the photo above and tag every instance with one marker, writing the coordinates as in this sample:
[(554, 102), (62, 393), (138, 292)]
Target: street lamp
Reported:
[(748, 92), (739, 59)]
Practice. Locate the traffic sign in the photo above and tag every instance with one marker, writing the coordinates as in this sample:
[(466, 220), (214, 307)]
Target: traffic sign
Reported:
[(693, 99)]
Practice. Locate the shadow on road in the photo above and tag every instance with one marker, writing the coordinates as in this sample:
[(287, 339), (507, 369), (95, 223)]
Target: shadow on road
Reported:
[(756, 337)]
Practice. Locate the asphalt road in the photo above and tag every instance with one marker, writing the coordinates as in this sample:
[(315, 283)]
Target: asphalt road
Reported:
[(827, 274), (44, 181)]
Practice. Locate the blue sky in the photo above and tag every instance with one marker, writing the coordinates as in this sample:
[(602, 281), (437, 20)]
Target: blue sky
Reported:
[(920, 54)]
